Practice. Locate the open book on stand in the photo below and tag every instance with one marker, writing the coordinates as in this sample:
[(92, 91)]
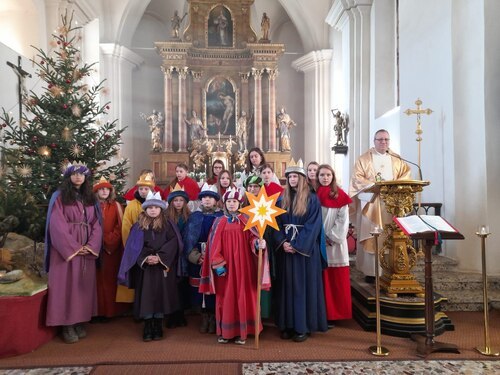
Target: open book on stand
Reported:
[(423, 223)]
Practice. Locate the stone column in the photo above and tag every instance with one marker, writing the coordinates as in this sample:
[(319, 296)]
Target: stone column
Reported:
[(272, 109), (168, 132), (316, 68), (116, 65), (197, 105), (244, 99), (257, 76), (182, 109)]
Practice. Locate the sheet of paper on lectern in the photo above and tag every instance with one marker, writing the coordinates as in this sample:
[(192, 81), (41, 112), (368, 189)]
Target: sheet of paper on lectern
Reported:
[(423, 223)]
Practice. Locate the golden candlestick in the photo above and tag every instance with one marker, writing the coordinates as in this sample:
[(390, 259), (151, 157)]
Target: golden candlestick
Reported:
[(483, 233), (377, 350)]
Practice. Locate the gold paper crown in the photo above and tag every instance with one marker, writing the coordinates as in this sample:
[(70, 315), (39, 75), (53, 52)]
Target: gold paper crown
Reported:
[(177, 187), (295, 167), (146, 180)]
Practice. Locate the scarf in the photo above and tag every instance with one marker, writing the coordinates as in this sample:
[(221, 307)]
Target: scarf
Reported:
[(327, 201)]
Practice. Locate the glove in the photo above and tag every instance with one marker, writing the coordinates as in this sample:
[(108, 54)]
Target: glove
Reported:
[(220, 271)]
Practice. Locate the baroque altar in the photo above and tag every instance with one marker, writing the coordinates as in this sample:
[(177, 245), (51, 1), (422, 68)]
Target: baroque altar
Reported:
[(219, 91)]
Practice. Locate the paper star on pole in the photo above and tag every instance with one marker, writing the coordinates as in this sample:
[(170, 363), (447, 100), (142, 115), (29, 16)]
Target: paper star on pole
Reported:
[(262, 211)]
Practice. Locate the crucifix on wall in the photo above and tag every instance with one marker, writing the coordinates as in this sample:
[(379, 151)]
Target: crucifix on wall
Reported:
[(21, 89)]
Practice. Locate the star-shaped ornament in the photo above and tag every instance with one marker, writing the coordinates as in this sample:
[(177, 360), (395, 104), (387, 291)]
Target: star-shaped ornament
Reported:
[(262, 211)]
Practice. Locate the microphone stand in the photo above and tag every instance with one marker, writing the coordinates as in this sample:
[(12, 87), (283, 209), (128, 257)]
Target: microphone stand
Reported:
[(389, 152)]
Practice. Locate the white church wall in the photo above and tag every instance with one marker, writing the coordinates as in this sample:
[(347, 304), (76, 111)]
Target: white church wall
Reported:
[(492, 132), (147, 88), (290, 85)]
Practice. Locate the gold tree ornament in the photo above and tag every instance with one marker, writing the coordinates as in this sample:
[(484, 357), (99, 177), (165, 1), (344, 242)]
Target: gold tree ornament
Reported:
[(262, 211), (76, 110), (56, 91), (44, 151), (67, 134), (75, 150), (24, 170)]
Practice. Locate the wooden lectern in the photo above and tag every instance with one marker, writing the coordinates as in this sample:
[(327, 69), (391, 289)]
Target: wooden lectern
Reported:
[(427, 345)]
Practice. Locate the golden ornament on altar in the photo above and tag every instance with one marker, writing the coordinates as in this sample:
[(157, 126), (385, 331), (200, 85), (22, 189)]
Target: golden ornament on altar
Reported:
[(44, 151), (262, 211)]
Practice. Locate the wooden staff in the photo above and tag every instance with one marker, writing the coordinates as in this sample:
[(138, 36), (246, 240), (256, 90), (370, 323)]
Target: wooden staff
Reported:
[(259, 288)]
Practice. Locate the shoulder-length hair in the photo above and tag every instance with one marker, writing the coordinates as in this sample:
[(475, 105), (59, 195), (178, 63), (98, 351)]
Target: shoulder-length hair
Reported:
[(249, 166), (174, 215), (176, 180), (297, 205), (334, 189), (217, 161), (69, 192)]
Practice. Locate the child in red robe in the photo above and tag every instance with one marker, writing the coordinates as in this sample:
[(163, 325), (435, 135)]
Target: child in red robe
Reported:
[(189, 185), (230, 272)]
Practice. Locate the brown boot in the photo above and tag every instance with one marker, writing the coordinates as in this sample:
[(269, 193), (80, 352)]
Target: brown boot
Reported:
[(204, 323), (211, 323)]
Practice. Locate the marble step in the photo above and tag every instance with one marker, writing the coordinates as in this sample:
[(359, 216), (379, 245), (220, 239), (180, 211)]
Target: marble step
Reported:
[(455, 280), (467, 300)]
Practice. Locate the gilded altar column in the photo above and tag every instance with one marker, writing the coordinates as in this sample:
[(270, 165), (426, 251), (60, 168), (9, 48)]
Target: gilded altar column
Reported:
[(182, 109), (257, 76), (272, 109), (244, 105), (197, 92), (167, 137)]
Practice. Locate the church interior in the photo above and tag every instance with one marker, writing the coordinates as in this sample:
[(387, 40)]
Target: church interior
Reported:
[(192, 81)]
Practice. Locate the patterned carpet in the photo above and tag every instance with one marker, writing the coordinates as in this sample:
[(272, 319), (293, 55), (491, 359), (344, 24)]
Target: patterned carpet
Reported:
[(294, 368)]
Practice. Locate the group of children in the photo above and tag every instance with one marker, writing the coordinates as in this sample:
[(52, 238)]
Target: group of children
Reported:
[(186, 247)]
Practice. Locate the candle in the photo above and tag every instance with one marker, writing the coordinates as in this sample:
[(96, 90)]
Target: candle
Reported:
[(483, 230)]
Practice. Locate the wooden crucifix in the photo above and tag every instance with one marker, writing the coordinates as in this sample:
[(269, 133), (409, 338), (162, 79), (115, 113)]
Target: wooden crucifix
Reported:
[(418, 111), (21, 76)]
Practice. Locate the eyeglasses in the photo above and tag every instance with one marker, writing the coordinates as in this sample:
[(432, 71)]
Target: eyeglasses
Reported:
[(217, 167), (382, 139)]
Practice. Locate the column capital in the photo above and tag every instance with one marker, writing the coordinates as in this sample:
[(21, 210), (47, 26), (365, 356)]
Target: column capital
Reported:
[(273, 73), (121, 53), (167, 71), (197, 76), (312, 60), (183, 72), (257, 73), (245, 76)]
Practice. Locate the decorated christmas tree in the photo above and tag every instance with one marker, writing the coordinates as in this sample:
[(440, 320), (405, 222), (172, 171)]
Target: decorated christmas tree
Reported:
[(65, 123)]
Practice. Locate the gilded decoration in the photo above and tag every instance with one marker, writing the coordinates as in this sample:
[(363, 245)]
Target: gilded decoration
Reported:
[(218, 91)]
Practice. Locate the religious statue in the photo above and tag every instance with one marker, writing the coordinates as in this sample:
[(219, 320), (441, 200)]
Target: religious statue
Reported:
[(284, 123), (221, 24), (197, 130), (176, 24), (228, 103), (242, 129), (265, 25), (155, 123), (229, 146), (241, 160), (341, 127)]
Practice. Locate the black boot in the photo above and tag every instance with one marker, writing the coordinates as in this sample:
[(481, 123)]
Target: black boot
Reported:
[(147, 334), (157, 328), (211, 323), (204, 323)]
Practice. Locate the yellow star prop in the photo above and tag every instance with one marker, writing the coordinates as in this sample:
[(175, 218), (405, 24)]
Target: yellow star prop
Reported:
[(262, 211)]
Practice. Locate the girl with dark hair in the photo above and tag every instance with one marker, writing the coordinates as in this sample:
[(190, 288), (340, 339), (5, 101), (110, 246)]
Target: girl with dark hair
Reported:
[(300, 303), (254, 163), (73, 240), (335, 211), (217, 168), (224, 183)]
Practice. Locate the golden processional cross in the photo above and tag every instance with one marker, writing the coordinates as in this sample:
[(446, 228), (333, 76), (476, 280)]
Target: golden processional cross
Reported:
[(419, 130)]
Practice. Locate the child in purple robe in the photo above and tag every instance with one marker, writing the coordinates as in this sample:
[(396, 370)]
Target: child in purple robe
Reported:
[(149, 265), (73, 241)]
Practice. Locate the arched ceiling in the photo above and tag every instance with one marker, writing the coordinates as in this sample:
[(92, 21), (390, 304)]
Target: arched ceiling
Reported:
[(120, 18)]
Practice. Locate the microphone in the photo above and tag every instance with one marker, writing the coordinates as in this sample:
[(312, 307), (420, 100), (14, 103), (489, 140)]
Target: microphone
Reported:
[(389, 152)]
